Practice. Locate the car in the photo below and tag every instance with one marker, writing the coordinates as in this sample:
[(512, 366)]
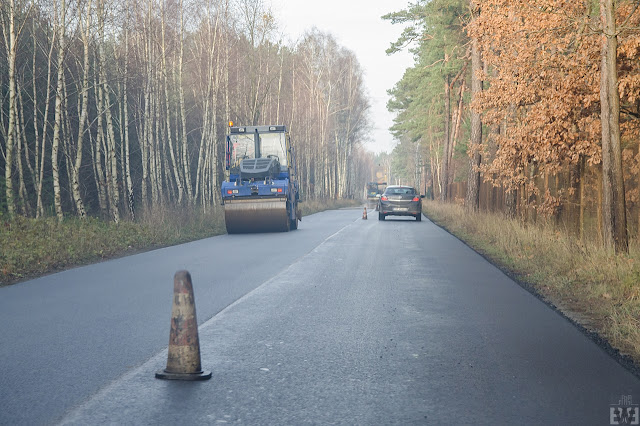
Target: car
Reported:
[(400, 200)]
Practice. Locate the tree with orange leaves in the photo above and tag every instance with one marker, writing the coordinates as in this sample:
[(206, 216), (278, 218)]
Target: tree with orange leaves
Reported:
[(544, 91)]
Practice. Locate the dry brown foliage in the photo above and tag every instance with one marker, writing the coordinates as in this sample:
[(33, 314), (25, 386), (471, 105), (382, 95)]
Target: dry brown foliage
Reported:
[(543, 61)]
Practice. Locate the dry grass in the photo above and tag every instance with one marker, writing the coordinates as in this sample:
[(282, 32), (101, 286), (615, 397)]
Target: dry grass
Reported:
[(31, 248), (589, 284), (314, 206)]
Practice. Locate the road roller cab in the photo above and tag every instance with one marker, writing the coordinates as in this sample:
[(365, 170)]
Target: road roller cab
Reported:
[(261, 193)]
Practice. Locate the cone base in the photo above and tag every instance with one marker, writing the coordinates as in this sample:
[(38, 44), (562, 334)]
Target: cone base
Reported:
[(202, 375)]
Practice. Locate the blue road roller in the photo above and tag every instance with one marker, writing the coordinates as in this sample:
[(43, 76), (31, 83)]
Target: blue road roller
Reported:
[(260, 193)]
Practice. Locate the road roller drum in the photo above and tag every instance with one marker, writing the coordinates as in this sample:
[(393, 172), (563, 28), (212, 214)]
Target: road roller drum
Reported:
[(244, 216)]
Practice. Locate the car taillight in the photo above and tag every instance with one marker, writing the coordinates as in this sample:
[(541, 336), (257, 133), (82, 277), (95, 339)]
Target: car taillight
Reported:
[(384, 198), (416, 199)]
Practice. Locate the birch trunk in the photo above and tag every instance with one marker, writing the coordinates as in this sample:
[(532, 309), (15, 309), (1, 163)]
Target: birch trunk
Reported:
[(279, 86), (169, 137), (183, 115), (154, 155), (125, 101), (45, 125), (10, 142), (21, 143), (111, 162), (75, 178), (58, 114), (97, 150)]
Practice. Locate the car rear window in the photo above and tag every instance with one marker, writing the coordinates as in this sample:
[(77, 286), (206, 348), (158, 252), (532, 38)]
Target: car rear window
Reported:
[(401, 191)]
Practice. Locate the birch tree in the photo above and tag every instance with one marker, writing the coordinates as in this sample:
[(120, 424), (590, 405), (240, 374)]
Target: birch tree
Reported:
[(139, 103), (55, 165), (11, 45), (84, 102)]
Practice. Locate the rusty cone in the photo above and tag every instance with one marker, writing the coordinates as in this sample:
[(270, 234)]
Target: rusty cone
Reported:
[(364, 214), (183, 361)]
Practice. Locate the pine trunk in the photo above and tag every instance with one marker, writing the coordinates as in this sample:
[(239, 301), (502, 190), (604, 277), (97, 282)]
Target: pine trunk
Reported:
[(614, 224), (475, 147), (444, 194)]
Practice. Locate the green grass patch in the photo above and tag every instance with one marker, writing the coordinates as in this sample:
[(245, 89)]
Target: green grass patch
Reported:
[(589, 284)]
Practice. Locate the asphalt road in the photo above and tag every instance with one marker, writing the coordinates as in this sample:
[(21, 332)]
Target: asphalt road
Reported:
[(344, 321)]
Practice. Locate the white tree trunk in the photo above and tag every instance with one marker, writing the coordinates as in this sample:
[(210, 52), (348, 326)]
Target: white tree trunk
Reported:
[(75, 178), (11, 56), (58, 114), (125, 101)]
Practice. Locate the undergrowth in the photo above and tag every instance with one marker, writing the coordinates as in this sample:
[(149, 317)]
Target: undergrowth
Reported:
[(588, 283)]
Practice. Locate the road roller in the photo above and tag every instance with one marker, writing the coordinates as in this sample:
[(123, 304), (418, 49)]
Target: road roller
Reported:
[(260, 192)]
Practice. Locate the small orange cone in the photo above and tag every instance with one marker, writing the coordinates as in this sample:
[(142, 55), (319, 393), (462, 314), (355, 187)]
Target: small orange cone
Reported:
[(364, 214), (183, 361)]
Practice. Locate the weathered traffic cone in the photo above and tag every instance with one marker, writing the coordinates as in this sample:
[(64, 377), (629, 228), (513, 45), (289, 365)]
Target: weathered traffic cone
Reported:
[(364, 214), (183, 361)]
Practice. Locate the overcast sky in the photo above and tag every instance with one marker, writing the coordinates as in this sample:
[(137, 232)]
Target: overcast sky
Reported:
[(356, 25)]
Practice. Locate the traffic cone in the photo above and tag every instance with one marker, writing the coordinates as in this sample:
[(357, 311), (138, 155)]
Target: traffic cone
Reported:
[(364, 214), (183, 361)]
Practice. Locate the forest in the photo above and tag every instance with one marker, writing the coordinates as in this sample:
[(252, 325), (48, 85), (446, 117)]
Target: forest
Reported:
[(113, 109), (527, 108)]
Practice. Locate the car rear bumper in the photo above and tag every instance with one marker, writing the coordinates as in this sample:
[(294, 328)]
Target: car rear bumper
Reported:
[(399, 211)]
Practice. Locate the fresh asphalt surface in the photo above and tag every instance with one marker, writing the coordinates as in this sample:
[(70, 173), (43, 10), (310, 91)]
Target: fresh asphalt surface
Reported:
[(343, 321)]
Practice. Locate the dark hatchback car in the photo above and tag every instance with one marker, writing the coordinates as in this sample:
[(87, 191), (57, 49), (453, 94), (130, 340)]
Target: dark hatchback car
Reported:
[(400, 200)]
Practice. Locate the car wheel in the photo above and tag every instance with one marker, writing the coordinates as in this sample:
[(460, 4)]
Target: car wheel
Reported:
[(419, 217), (380, 216)]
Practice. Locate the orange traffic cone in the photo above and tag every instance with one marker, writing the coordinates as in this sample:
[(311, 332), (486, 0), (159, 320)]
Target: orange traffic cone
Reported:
[(364, 214), (183, 361)]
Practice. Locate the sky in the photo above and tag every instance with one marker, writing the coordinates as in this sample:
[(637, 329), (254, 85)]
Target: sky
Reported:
[(356, 25)]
